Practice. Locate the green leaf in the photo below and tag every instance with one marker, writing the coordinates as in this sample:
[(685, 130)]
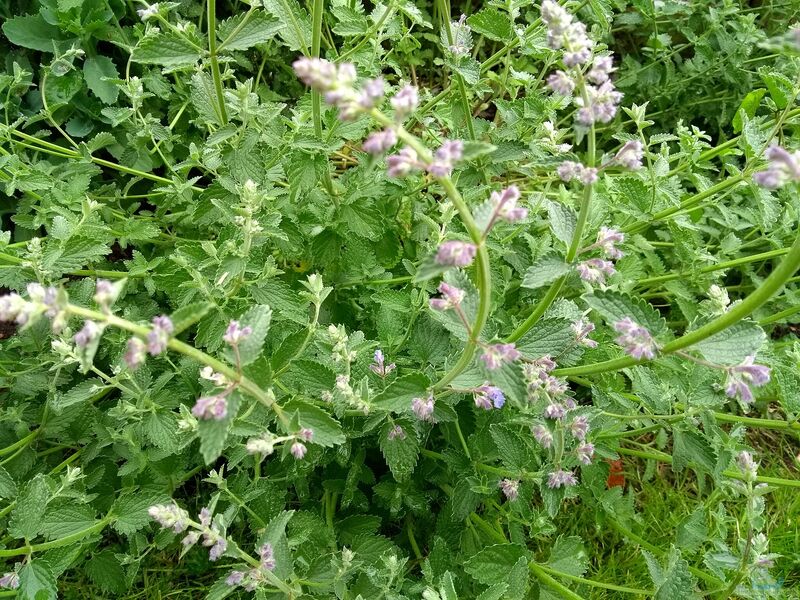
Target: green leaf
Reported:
[(569, 556), (130, 509), (562, 221), (310, 376), (288, 349), (690, 448), (780, 87), (672, 580), (493, 562), (95, 70), (37, 582), (492, 24), (327, 431), (188, 315), (275, 534), (8, 487), (513, 448), (166, 49), (27, 517), (748, 106), (32, 31), (66, 520), (545, 270), (295, 23), (615, 306), (398, 395), (105, 571), (401, 453), (547, 337), (84, 391), (732, 345), (258, 318), (213, 433), (259, 28)]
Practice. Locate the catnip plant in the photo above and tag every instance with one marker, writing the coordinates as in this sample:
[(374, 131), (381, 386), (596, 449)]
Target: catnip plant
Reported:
[(335, 301)]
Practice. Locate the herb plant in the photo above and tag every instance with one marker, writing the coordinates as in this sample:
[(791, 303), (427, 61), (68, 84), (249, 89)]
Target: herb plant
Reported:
[(333, 300)]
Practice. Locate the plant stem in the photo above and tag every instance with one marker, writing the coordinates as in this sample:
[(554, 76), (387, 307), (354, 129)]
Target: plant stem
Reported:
[(60, 542), (759, 296), (597, 584), (212, 51), (546, 579)]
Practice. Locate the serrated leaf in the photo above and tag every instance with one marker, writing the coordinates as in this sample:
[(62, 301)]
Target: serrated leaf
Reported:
[(130, 509), (673, 579), (732, 345), (493, 24), (258, 319), (37, 582), (691, 448), (748, 106), (213, 433), (241, 31), (562, 221), (569, 556), (166, 49), (105, 571), (547, 337), (8, 487), (295, 22), (780, 87), (615, 306), (327, 431), (32, 31), (84, 391), (95, 70), (398, 395), (188, 315), (310, 376), (512, 447), (161, 428), (401, 453), (28, 515), (544, 271), (66, 520), (493, 562)]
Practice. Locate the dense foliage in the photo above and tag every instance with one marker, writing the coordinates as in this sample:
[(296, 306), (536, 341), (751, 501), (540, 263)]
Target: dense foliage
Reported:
[(311, 299)]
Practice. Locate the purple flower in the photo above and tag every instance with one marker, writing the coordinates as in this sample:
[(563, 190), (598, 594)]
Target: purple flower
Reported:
[(135, 354), (405, 101), (585, 452), (630, 155), (12, 307), (9, 581), (103, 293), (510, 488), (495, 355), (488, 397), (87, 335), (456, 254), (402, 163), (267, 556), (600, 104), (158, 338), (595, 270), (371, 94), (170, 516), (741, 377), (423, 408), (561, 478), (579, 427), (582, 330), (211, 407), (218, 549), (447, 154), (562, 32), (379, 142), (451, 297), (190, 539), (588, 176), (306, 434), (607, 239), (555, 411), (561, 83), (323, 75), (782, 168), (298, 450), (379, 367), (236, 333), (505, 204), (747, 466), (396, 433), (602, 67), (569, 170), (542, 435), (234, 578), (635, 340)]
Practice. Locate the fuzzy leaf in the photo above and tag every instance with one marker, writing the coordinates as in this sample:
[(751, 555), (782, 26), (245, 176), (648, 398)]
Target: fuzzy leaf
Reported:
[(732, 345), (398, 395), (95, 70), (493, 562), (544, 271), (28, 516), (615, 306), (259, 28), (327, 431), (258, 318), (401, 454)]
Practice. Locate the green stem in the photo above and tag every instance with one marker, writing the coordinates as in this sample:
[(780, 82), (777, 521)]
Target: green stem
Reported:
[(20, 443), (59, 543), (666, 458), (557, 587), (183, 348), (597, 584), (770, 286), (212, 50)]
